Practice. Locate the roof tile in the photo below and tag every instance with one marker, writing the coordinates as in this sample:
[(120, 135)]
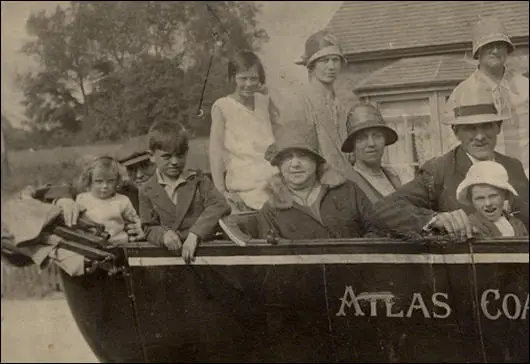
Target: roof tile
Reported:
[(367, 26), (419, 70)]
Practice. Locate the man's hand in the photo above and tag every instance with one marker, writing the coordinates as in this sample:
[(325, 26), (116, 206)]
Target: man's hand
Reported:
[(189, 247), (172, 241), (134, 232), (69, 209), (455, 223), (480, 227)]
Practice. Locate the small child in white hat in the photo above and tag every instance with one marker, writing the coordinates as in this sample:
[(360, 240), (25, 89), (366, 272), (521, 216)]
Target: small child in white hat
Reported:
[(487, 188)]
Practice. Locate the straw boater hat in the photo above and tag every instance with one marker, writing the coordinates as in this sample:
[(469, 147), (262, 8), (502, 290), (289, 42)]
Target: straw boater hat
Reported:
[(366, 116), (474, 108), (133, 151), (319, 45), (299, 136), (486, 172), (488, 30)]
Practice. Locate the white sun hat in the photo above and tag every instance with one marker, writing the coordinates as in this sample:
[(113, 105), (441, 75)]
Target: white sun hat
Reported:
[(486, 172)]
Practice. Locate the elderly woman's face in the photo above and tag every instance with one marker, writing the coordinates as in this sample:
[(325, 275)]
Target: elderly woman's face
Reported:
[(298, 168)]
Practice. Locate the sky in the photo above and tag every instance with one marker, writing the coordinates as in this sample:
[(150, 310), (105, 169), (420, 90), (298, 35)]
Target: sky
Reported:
[(288, 24)]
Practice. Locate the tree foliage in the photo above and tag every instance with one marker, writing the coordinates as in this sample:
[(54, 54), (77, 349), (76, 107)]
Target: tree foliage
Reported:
[(108, 69)]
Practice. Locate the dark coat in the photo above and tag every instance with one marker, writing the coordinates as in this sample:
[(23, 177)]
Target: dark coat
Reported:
[(199, 208), (345, 211), (487, 229), (409, 209), (370, 191)]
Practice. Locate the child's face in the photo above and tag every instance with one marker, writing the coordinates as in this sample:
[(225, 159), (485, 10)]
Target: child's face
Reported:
[(104, 182), (169, 164), (488, 201)]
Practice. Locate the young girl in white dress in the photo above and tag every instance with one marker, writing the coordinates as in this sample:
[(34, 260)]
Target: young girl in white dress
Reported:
[(241, 131), (100, 202)]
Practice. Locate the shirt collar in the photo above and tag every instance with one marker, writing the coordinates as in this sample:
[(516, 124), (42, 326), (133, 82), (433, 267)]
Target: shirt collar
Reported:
[(475, 160), (504, 226), (184, 176)]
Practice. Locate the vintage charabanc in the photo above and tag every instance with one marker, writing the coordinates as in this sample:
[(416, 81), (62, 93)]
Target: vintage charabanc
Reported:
[(250, 300)]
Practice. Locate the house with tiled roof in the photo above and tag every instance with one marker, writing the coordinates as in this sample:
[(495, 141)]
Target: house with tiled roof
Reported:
[(408, 56)]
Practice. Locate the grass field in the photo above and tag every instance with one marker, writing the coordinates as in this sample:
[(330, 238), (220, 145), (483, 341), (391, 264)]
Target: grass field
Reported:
[(60, 165)]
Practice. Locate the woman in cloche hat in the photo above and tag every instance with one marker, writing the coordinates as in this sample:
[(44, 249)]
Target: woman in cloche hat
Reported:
[(487, 188), (309, 199), (316, 104), (368, 135)]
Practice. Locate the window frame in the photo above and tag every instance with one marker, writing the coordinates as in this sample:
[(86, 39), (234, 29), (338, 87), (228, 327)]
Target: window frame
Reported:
[(436, 102)]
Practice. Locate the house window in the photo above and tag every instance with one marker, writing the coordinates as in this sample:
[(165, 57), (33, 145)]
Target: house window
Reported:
[(418, 138), (447, 136)]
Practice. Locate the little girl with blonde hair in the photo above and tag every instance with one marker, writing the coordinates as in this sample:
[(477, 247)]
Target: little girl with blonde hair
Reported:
[(99, 201)]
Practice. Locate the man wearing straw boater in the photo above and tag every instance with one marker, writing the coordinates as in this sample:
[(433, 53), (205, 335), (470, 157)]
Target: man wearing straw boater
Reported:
[(429, 200), (317, 104), (491, 47)]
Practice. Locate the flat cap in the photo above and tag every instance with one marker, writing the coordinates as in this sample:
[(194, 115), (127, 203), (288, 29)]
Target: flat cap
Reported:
[(133, 151)]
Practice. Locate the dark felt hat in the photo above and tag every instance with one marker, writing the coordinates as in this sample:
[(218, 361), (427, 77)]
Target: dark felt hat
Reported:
[(318, 45), (296, 135), (366, 116)]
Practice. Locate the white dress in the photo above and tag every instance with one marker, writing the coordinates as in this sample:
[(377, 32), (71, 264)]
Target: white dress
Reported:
[(113, 213), (247, 135)]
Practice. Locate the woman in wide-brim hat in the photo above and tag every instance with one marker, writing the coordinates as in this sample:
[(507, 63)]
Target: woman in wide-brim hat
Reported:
[(317, 104), (368, 136), (309, 199)]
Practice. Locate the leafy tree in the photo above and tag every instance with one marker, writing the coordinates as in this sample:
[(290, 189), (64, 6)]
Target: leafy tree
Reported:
[(56, 96), (107, 69)]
